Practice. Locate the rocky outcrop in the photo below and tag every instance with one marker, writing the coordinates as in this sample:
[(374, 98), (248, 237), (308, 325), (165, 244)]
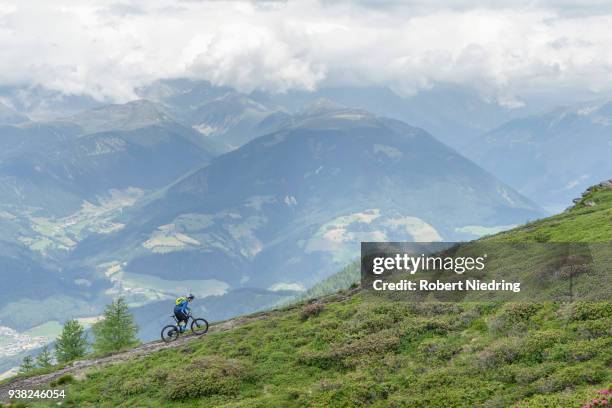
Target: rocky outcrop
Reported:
[(604, 185)]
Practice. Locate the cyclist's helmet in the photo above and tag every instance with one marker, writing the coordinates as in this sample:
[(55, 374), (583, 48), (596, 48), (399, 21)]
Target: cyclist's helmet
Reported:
[(190, 297)]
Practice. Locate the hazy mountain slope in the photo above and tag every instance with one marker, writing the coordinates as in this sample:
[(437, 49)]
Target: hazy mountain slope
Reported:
[(129, 116), (588, 220), (60, 184), (357, 350), (9, 116), (34, 136), (288, 209), (268, 220), (52, 169), (452, 114), (224, 117), (147, 157), (42, 104), (182, 95), (233, 120), (551, 157)]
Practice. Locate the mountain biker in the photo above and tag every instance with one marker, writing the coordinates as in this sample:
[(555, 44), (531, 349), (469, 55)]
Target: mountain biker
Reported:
[(182, 310)]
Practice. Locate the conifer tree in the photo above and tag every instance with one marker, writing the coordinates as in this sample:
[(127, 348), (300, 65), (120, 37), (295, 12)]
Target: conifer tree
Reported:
[(27, 365), (117, 330), (72, 343), (45, 358)]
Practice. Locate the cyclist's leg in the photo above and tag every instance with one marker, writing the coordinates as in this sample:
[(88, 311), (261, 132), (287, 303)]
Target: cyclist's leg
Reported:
[(179, 319), (182, 321)]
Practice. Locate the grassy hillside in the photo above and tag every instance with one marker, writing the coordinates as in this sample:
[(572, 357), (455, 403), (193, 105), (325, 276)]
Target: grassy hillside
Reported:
[(590, 220), (372, 352)]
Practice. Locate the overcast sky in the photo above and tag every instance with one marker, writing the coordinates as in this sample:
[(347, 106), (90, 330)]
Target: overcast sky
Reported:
[(504, 48)]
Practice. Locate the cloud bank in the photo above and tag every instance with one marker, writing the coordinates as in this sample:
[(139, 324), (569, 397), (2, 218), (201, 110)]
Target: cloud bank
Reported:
[(505, 49)]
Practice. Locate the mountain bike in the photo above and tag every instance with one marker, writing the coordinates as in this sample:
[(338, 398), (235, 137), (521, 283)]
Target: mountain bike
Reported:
[(172, 332)]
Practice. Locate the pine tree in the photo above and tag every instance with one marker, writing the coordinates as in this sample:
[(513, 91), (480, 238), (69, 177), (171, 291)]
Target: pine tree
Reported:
[(45, 358), (27, 365), (117, 330), (72, 343)]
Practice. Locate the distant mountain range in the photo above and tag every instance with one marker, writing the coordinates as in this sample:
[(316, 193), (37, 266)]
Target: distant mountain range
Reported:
[(320, 178), (242, 199), (550, 157), (289, 208)]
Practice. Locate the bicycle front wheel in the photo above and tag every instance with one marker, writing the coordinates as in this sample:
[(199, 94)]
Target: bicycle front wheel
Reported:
[(170, 333), (199, 326)]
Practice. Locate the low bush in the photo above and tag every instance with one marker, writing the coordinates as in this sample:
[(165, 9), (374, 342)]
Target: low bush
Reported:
[(514, 316), (207, 376), (504, 351), (589, 311), (592, 329), (525, 375), (541, 237), (338, 353), (535, 347), (435, 308), (569, 377), (600, 399), (580, 351), (61, 380), (133, 387), (436, 349), (311, 310)]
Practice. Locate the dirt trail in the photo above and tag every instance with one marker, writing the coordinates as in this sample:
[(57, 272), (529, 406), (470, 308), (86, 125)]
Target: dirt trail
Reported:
[(80, 367)]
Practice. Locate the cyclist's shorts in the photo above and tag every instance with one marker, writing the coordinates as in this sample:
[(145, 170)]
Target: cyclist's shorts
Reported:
[(182, 317)]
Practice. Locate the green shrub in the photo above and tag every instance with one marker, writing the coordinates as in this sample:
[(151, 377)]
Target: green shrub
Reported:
[(416, 329), (435, 308), (350, 394), (436, 349), (600, 398), (525, 375), (242, 351), (592, 329), (339, 353), (520, 311), (503, 351), (133, 387), (541, 237), (207, 376), (551, 401), (580, 351), (311, 310), (61, 380), (590, 310), (159, 375), (368, 321), (534, 347), (568, 377)]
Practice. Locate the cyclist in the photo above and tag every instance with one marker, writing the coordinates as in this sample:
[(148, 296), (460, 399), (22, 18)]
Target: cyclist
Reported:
[(182, 310)]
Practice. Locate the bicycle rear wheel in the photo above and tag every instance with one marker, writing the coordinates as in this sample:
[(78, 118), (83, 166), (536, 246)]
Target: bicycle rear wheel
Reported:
[(170, 333), (199, 326)]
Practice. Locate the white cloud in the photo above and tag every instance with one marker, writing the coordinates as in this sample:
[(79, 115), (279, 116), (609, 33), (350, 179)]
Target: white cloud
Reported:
[(503, 49)]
